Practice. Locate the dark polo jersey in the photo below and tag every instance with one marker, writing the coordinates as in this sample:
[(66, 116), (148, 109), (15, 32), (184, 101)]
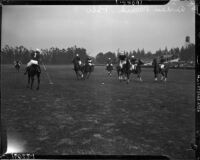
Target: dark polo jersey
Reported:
[(133, 60), (76, 59), (122, 57)]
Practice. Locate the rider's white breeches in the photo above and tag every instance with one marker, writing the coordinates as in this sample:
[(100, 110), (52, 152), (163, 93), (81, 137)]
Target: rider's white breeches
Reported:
[(122, 63), (133, 66), (162, 66), (32, 62), (79, 62)]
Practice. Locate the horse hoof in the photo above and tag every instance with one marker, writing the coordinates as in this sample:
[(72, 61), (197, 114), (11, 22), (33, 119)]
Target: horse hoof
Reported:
[(37, 88)]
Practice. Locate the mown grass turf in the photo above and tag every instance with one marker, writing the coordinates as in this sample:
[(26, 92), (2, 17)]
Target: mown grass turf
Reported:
[(100, 115)]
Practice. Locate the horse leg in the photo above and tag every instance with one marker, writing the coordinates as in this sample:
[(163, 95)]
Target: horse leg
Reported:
[(155, 75), (27, 86), (108, 73), (118, 74), (84, 75), (128, 76), (125, 77), (77, 75), (139, 77), (32, 80), (38, 78), (165, 76), (162, 76), (88, 75)]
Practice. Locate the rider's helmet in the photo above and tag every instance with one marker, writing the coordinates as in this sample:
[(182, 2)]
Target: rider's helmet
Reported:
[(132, 56), (37, 50), (77, 55)]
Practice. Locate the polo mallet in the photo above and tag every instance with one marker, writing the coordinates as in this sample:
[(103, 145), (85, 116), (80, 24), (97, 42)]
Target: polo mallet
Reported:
[(50, 81)]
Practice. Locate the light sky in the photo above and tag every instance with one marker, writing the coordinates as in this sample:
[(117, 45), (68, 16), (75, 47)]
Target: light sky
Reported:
[(99, 28)]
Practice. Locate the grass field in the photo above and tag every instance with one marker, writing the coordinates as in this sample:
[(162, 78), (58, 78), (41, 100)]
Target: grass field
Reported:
[(100, 115)]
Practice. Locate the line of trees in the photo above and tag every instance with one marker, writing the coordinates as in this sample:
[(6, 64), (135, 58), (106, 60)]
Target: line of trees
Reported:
[(185, 54), (55, 55)]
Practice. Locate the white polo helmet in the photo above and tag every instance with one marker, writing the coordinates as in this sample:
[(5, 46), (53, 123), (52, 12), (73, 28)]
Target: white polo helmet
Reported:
[(37, 50), (132, 56)]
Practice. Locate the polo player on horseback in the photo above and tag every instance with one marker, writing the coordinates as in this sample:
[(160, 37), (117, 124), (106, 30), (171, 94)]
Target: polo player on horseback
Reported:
[(122, 59), (162, 61), (133, 61), (109, 62), (89, 62), (35, 57), (17, 64), (109, 66), (77, 59)]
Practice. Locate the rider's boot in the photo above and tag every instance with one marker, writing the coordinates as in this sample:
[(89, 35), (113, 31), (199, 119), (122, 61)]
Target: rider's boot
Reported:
[(39, 69)]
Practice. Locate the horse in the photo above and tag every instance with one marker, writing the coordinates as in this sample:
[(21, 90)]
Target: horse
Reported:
[(33, 71), (78, 68), (124, 72), (87, 70), (109, 68), (160, 69), (17, 65), (137, 69)]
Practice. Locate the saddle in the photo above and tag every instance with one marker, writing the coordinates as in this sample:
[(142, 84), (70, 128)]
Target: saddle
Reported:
[(133, 66), (37, 67), (121, 63)]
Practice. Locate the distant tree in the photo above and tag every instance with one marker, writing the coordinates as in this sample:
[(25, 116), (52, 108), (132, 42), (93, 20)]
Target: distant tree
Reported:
[(100, 58), (110, 55)]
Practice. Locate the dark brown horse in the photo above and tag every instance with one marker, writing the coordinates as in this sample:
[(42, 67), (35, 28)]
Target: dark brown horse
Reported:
[(109, 68), (33, 71), (17, 65), (160, 69), (137, 69), (87, 70), (78, 68), (124, 71)]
